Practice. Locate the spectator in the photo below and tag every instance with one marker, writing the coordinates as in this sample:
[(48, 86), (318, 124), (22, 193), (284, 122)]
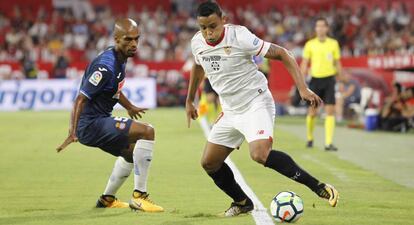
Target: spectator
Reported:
[(396, 114), (360, 31), (61, 64), (349, 92)]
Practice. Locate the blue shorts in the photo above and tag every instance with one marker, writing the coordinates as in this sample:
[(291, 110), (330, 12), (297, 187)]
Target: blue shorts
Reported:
[(107, 133)]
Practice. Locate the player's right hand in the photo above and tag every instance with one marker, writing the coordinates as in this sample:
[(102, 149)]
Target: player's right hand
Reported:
[(70, 139), (314, 100), (191, 112)]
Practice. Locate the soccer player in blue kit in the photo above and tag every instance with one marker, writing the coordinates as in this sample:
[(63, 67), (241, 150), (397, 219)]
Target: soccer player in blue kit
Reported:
[(92, 124)]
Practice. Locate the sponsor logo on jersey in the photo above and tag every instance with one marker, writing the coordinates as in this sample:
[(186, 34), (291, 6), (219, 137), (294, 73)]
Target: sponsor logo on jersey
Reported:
[(215, 66), (119, 75), (211, 58), (227, 50), (102, 69), (260, 132), (256, 41), (95, 78)]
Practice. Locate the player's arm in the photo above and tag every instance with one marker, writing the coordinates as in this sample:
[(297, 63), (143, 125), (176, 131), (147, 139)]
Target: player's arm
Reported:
[(286, 57), (74, 119), (196, 77), (304, 66), (305, 59), (91, 87), (133, 111)]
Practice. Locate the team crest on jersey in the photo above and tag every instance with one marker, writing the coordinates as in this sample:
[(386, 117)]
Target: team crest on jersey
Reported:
[(227, 50), (95, 78), (120, 125), (329, 56)]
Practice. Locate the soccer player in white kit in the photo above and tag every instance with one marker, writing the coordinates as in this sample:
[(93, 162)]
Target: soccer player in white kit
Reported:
[(223, 53)]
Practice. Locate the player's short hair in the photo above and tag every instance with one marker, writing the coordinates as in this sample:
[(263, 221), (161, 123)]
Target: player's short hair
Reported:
[(208, 8), (322, 19)]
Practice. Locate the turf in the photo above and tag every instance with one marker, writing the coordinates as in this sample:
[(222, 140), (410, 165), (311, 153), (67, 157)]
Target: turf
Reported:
[(39, 186)]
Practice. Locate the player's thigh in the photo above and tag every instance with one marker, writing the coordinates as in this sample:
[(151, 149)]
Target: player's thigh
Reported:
[(259, 134), (214, 156), (224, 133), (140, 130), (111, 134), (257, 126), (257, 122)]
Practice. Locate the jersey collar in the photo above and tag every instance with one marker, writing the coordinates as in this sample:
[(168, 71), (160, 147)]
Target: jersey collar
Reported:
[(219, 40)]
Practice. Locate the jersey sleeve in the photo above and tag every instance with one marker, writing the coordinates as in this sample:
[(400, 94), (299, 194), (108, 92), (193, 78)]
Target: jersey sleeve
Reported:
[(251, 43), (337, 51), (94, 82), (307, 51)]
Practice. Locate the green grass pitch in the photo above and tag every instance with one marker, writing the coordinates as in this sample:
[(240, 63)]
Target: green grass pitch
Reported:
[(39, 186)]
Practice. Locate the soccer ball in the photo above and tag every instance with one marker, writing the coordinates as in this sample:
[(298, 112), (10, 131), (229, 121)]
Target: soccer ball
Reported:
[(286, 207)]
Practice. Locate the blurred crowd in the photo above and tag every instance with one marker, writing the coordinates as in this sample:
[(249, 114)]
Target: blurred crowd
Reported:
[(62, 34), (79, 31)]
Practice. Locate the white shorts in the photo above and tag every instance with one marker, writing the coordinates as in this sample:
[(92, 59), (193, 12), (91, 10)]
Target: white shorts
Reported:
[(254, 123)]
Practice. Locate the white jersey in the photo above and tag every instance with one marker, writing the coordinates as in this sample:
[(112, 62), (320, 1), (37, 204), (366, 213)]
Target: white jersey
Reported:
[(229, 65)]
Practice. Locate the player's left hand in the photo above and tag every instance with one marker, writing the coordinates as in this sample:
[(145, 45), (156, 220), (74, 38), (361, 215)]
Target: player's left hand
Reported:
[(308, 95), (135, 112)]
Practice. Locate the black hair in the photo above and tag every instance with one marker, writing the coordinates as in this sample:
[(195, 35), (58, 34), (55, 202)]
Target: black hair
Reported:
[(208, 8), (322, 19)]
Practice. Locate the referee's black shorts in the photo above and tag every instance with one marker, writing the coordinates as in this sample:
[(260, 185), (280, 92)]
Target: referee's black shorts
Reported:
[(324, 88)]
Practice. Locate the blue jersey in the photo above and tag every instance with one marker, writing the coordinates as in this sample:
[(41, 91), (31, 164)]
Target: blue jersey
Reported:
[(102, 84)]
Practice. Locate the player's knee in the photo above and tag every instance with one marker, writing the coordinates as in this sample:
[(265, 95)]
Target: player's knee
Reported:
[(209, 166), (149, 133), (260, 154)]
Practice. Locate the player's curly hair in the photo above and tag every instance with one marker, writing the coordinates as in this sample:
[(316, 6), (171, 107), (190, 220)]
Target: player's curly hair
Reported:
[(208, 8)]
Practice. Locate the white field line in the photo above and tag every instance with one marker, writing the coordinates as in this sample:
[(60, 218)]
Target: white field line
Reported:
[(260, 215)]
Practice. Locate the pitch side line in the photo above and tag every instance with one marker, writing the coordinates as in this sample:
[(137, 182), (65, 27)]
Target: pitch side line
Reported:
[(260, 215)]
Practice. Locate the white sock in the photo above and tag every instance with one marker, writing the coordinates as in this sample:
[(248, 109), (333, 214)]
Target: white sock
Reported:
[(120, 173), (142, 161)]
